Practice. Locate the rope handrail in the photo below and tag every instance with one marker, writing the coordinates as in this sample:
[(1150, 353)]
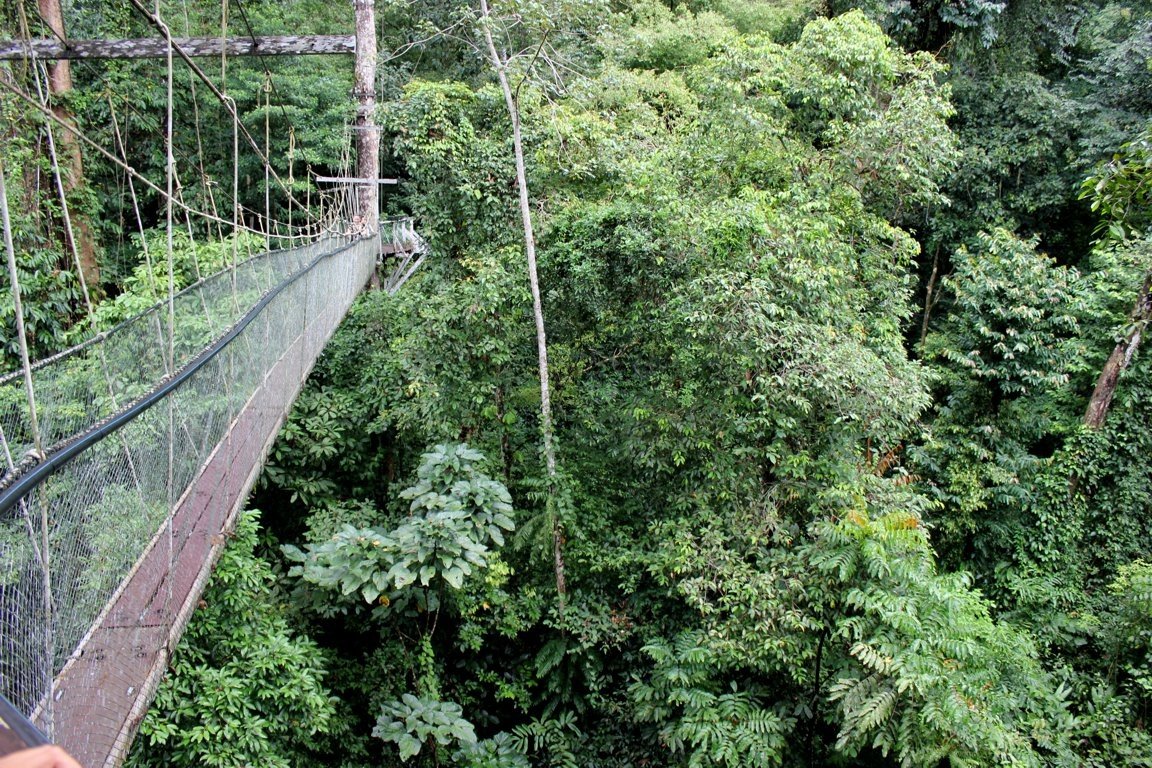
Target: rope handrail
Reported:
[(65, 417), (15, 487), (70, 402), (37, 365), (136, 504)]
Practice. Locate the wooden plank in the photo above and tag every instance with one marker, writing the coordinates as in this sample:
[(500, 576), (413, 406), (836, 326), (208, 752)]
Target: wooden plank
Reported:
[(102, 694), (157, 47), (351, 180)]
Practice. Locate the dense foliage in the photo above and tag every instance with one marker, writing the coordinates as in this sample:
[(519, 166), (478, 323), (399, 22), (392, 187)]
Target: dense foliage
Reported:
[(243, 688), (828, 293)]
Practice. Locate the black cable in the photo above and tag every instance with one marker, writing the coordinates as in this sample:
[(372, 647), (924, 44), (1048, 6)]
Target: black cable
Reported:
[(42, 471), (14, 720)]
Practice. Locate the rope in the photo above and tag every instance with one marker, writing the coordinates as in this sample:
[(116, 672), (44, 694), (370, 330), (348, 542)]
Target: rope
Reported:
[(235, 188), (154, 20), (43, 552), (69, 233), (29, 476), (40, 548), (268, 166), (292, 168), (170, 172), (132, 191), (21, 332), (30, 101), (229, 104), (123, 325), (231, 384), (149, 123), (205, 180), (268, 73), (179, 195), (71, 237)]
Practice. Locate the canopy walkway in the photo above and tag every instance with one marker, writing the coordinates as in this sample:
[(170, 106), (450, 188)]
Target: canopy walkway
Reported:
[(124, 461), (152, 435)]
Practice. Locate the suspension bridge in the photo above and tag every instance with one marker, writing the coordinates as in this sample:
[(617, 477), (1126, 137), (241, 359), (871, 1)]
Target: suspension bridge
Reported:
[(125, 460)]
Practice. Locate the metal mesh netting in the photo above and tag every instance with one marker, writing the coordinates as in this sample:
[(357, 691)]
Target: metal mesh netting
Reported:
[(88, 383), (410, 251), (101, 562)]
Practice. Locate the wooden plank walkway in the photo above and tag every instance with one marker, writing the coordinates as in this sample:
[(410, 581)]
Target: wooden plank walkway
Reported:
[(101, 695)]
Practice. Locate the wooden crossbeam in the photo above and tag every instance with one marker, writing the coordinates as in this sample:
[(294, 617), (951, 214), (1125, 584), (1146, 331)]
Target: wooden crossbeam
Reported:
[(350, 180), (157, 47)]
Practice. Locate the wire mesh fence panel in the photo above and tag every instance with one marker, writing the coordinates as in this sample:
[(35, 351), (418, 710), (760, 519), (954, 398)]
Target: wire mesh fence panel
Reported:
[(90, 382), (102, 558)]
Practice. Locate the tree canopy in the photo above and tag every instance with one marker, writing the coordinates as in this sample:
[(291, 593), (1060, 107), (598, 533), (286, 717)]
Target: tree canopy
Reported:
[(844, 309)]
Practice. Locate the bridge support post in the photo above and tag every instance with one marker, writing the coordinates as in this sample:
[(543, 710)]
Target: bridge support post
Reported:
[(367, 137)]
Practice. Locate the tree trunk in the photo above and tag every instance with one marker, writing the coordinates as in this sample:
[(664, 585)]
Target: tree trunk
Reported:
[(500, 65), (367, 138), (929, 299), (70, 160), (1121, 356)]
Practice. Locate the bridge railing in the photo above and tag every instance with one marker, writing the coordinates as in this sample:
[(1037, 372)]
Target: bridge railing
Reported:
[(101, 558), (89, 382)]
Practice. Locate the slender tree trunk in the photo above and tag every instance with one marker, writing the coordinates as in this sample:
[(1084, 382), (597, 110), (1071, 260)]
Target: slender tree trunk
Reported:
[(71, 160), (929, 299), (499, 63), (1121, 356)]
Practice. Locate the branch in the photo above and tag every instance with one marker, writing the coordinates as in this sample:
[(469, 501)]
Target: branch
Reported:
[(519, 85), (437, 33)]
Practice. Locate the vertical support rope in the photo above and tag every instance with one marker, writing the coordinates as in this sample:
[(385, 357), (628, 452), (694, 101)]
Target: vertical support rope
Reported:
[(204, 179), (193, 251), (70, 235), (135, 199), (75, 252), (235, 195), (42, 549), (267, 164), (292, 172), (170, 167), (224, 45), (91, 314), (17, 302)]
